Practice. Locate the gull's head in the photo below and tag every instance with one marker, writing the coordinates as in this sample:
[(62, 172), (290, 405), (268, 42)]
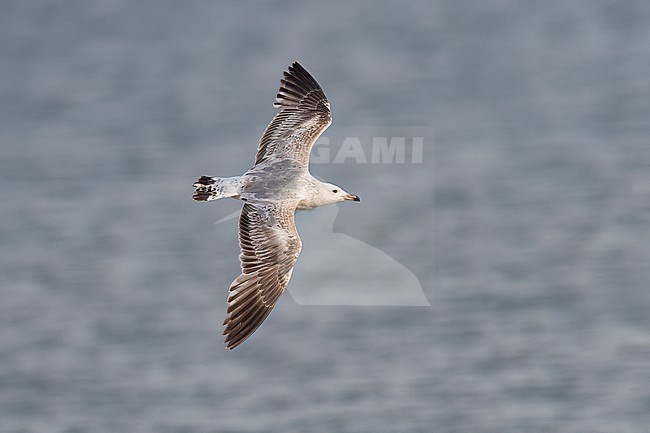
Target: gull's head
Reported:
[(331, 193)]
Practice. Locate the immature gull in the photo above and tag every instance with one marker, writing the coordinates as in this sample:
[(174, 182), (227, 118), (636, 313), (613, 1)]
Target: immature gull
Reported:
[(272, 190)]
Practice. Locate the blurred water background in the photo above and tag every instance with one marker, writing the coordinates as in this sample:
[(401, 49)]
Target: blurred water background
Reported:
[(527, 223)]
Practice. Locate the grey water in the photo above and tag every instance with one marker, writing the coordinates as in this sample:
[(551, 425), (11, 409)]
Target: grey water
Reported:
[(526, 225)]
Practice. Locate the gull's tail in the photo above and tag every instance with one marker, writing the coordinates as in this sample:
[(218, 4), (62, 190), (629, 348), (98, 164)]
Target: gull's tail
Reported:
[(213, 188)]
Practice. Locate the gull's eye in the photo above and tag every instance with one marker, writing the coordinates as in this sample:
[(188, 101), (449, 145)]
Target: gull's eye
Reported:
[(335, 191)]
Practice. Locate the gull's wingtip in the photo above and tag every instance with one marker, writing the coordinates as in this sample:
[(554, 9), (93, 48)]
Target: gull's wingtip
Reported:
[(296, 85)]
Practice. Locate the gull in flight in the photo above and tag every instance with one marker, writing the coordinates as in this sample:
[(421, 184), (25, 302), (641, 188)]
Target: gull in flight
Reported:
[(272, 190)]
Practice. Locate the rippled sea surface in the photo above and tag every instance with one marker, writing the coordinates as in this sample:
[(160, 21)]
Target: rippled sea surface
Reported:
[(527, 223)]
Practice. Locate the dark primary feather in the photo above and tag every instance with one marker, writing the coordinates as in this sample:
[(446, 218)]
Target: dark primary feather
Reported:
[(296, 85), (304, 115), (270, 246)]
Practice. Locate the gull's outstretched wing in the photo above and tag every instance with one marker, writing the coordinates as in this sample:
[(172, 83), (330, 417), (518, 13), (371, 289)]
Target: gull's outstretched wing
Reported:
[(304, 115), (270, 246)]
